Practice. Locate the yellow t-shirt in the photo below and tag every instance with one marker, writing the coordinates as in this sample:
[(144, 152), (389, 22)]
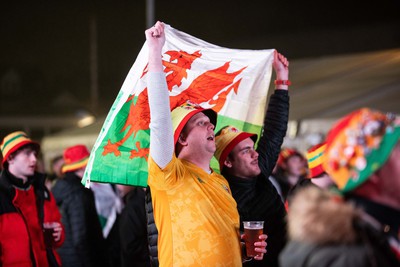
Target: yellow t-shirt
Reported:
[(196, 216)]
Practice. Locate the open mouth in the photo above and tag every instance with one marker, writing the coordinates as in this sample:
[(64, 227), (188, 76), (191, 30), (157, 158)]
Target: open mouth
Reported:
[(210, 138)]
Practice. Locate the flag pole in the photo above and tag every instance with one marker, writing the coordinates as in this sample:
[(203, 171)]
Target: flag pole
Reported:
[(150, 6)]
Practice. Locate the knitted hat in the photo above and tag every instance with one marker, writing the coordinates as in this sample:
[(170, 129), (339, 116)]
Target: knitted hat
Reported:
[(314, 158), (226, 139), (358, 145), (75, 157), (14, 141), (182, 114)]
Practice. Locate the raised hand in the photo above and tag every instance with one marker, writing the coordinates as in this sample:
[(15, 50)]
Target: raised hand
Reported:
[(281, 68), (155, 37)]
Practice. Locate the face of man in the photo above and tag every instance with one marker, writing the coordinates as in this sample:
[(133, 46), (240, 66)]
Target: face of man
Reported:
[(23, 163), (243, 160), (295, 165), (199, 134), (389, 177)]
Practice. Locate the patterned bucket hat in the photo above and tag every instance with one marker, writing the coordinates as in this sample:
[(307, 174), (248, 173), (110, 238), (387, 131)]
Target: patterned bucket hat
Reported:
[(358, 145), (226, 139), (182, 114), (75, 157)]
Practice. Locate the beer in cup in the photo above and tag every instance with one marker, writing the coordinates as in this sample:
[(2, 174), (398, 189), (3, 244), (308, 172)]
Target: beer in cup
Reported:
[(252, 230), (48, 230)]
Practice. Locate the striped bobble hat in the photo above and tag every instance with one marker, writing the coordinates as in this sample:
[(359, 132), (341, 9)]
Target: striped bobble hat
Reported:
[(358, 145), (314, 159), (13, 142), (75, 157)]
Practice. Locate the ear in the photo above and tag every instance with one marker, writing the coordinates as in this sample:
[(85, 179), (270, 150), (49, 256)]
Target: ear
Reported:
[(284, 165), (10, 159), (182, 140), (228, 163)]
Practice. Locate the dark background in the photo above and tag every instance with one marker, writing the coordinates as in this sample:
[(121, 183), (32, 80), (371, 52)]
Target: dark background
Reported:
[(45, 46)]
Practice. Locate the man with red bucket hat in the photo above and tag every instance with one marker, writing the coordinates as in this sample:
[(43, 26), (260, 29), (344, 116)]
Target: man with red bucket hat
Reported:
[(194, 211), (26, 208), (84, 243), (361, 228), (247, 166)]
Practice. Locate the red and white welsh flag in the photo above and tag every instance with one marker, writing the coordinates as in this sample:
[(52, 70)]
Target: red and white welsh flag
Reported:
[(233, 82)]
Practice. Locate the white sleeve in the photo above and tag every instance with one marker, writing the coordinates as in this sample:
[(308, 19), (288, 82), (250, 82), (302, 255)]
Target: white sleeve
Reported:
[(161, 132)]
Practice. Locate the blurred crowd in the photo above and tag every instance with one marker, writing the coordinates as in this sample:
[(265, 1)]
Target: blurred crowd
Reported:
[(336, 204)]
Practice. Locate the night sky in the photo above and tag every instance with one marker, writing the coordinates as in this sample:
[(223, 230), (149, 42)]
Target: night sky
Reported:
[(45, 46)]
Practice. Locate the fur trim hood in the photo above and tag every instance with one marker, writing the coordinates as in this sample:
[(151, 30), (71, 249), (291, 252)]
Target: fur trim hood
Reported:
[(319, 217)]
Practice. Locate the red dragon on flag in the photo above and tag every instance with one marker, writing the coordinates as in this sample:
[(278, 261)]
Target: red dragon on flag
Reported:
[(233, 82), (208, 87)]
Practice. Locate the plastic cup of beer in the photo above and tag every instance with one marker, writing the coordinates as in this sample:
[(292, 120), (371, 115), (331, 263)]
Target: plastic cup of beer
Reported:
[(252, 230), (48, 229)]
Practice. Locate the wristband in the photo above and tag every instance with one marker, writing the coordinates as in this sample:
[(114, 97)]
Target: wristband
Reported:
[(282, 82)]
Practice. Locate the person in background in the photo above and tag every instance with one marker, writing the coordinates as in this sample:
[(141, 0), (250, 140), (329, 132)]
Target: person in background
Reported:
[(316, 172), (317, 176), (360, 227), (247, 169), (26, 207), (291, 168), (56, 165), (194, 211), (133, 228), (84, 243), (109, 206)]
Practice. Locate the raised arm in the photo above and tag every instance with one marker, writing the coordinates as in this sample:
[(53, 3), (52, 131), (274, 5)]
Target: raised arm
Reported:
[(161, 132), (155, 37), (276, 118), (281, 68)]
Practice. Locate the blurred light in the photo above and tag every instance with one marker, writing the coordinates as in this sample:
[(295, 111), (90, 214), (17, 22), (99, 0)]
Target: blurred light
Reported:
[(85, 118), (292, 129), (86, 121)]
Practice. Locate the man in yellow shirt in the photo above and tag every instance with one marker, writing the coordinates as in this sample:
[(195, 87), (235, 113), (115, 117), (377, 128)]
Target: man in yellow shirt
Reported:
[(194, 211)]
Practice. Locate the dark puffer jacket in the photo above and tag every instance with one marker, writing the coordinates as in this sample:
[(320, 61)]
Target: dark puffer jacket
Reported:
[(152, 232), (84, 243), (133, 230), (21, 236), (257, 198)]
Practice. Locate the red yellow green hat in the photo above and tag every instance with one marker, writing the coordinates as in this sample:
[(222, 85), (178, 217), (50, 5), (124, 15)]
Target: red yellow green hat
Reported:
[(13, 142), (314, 159), (358, 145), (182, 114), (75, 157), (226, 139)]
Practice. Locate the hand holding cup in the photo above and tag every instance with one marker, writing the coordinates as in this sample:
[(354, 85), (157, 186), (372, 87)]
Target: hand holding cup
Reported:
[(52, 233), (255, 239)]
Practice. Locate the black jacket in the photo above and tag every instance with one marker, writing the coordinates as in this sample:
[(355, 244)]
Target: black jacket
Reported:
[(84, 243), (152, 232), (133, 230), (257, 198)]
